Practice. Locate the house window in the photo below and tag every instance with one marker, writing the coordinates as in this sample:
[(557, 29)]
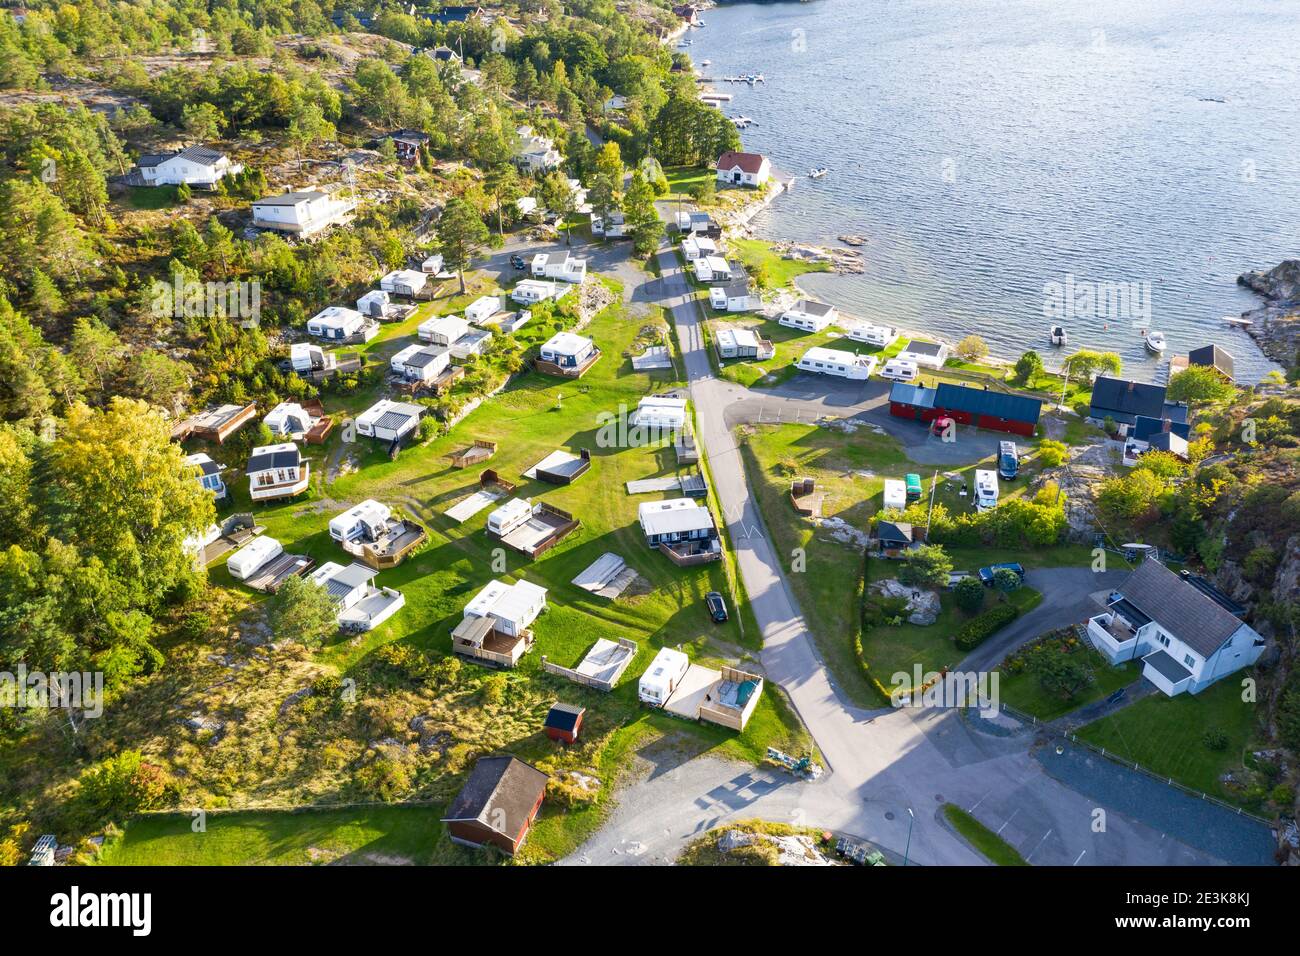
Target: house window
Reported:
[(1189, 660), (1163, 640)]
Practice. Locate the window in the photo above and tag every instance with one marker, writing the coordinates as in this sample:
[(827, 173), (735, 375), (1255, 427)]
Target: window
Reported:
[(1189, 660), (1163, 640)]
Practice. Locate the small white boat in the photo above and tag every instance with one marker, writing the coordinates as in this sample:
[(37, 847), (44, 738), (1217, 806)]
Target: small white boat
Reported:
[(705, 62), (818, 173), (1155, 342), (1058, 335)]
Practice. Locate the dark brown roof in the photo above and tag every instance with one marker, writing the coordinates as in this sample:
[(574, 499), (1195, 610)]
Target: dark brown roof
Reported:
[(500, 794), (1182, 610), (1214, 357)]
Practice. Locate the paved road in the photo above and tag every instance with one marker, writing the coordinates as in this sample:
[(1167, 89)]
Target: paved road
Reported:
[(881, 763)]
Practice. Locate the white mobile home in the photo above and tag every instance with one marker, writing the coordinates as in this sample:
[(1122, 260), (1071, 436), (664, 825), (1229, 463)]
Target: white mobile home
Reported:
[(567, 349), (662, 677), (442, 330), (370, 519), (374, 303), (660, 411), (895, 494), (361, 605), (277, 471), (305, 357), (899, 370), (693, 247), (733, 297), (835, 362), (880, 336), (471, 343), (336, 323), (532, 291), (509, 516), (483, 308), (389, 421), (560, 266), (420, 363), (289, 420), (243, 564), (986, 489), (743, 344), (432, 265), (712, 269), (407, 282), (809, 316), (512, 607)]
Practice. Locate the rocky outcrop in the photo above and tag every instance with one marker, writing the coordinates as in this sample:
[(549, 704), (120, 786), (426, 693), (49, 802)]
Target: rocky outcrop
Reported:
[(923, 607), (1276, 326)]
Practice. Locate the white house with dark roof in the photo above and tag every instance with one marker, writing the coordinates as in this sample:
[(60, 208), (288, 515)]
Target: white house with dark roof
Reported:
[(361, 605), (209, 473), (303, 213), (808, 315), (933, 354), (743, 169), (1185, 637), (535, 153), (388, 420), (195, 165), (420, 363), (337, 323), (736, 296), (276, 471)]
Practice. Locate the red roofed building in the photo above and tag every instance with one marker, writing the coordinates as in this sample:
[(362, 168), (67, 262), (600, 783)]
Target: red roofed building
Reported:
[(743, 169)]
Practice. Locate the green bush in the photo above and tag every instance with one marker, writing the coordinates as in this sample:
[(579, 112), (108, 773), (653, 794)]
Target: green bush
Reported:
[(979, 629), (968, 594), (1214, 738)]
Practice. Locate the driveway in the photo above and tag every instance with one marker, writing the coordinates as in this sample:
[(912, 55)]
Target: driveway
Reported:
[(881, 763)]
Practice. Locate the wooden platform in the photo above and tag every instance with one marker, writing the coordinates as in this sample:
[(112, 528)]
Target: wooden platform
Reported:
[(271, 576)]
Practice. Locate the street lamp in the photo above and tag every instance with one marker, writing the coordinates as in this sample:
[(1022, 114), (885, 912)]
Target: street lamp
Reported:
[(911, 818)]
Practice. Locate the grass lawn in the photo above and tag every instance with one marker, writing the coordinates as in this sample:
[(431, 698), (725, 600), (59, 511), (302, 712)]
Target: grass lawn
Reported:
[(997, 850), (681, 179), (1024, 692), (1165, 735), (534, 416), (151, 197), (759, 256)]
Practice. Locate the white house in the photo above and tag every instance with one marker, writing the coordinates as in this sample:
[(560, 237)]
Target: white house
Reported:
[(483, 308), (432, 265), (302, 213), (561, 266), (209, 473), (512, 607), (933, 354), (374, 303), (712, 269), (277, 471), (1184, 634), (535, 153), (693, 247), (567, 349), (407, 282), (192, 166), (743, 344), (471, 343), (734, 297), (289, 420), (660, 411), (743, 169), (337, 323), (532, 291), (835, 362), (361, 605), (808, 315), (880, 336), (442, 330), (388, 420), (420, 363), (526, 207), (305, 357), (675, 520)]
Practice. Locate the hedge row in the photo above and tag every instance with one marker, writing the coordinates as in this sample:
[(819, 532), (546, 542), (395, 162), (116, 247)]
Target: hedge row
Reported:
[(980, 628)]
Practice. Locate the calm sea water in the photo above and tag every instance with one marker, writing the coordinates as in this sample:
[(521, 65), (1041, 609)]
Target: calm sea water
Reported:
[(987, 149)]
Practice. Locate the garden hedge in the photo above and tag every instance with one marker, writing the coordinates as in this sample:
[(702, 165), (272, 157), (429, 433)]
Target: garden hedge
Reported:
[(979, 629)]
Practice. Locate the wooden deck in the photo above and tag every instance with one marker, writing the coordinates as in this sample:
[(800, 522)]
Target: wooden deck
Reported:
[(271, 576)]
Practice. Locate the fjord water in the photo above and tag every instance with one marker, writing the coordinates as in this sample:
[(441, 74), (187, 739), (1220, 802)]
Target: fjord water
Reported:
[(988, 148)]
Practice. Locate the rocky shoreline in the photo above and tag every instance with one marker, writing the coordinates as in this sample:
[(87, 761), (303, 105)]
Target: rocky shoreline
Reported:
[(1275, 326)]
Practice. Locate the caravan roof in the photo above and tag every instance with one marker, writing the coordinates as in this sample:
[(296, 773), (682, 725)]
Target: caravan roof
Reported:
[(369, 512)]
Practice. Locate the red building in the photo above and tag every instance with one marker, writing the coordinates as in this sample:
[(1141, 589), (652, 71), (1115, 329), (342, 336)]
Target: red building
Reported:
[(497, 805), (983, 408), (563, 722)]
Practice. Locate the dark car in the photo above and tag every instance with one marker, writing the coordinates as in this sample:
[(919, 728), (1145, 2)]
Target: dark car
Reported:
[(717, 607), (518, 262), (986, 574)]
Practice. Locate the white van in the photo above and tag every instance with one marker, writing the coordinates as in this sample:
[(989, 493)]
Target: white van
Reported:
[(899, 370), (986, 490), (895, 494), (662, 677)]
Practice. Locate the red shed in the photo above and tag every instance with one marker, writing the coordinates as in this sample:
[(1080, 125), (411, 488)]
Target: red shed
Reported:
[(985, 408), (498, 803), (563, 722)]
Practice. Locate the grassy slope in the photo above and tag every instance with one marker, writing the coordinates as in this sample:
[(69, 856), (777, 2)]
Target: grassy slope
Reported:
[(997, 850)]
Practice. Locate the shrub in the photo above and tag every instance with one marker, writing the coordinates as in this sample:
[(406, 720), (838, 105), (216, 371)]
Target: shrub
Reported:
[(494, 690), (971, 349), (385, 779), (1214, 738), (926, 566), (1006, 580), (968, 594), (122, 785), (1051, 452), (979, 629)]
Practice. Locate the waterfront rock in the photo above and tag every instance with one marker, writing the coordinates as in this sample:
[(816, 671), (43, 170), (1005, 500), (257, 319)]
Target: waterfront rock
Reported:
[(1276, 325), (1279, 284)]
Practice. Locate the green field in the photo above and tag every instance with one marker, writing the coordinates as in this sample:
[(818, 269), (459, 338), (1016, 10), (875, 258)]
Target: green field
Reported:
[(1165, 735), (758, 255), (681, 179)]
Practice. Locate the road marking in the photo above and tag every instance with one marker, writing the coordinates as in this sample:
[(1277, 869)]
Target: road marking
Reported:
[(1040, 843), (1009, 819), (1078, 858), (979, 801)]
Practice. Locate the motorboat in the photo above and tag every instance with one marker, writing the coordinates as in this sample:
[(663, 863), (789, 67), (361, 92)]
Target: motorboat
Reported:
[(1058, 335), (1155, 342), (818, 173)]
